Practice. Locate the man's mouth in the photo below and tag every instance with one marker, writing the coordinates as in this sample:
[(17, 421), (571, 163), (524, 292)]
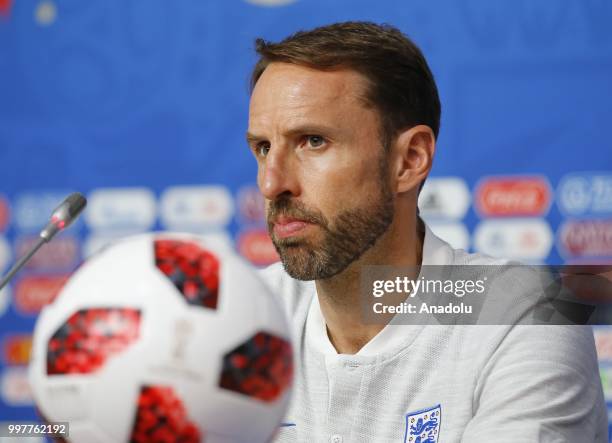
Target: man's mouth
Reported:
[(284, 227)]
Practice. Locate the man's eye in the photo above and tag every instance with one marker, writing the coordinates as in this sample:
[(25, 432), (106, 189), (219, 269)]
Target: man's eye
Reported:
[(262, 149), (315, 141)]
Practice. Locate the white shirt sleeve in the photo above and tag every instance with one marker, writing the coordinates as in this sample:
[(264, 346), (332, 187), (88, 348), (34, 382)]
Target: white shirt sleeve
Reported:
[(540, 385)]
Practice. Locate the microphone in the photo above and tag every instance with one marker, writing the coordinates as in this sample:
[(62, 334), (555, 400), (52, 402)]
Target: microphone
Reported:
[(62, 217)]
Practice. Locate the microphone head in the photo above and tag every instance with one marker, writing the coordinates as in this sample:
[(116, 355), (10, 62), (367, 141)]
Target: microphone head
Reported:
[(64, 215), (74, 203)]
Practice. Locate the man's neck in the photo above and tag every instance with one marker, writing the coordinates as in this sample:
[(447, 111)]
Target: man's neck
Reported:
[(340, 298)]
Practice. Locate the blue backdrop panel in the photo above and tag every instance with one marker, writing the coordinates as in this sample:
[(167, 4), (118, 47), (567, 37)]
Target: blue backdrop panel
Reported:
[(151, 94)]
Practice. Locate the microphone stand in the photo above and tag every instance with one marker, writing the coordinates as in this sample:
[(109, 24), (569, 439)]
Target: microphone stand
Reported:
[(22, 261), (61, 218)]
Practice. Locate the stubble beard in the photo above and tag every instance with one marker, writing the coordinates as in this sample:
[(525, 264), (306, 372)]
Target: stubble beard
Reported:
[(345, 238)]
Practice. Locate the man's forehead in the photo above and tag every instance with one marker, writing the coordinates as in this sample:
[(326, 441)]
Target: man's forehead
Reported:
[(298, 86), (295, 98)]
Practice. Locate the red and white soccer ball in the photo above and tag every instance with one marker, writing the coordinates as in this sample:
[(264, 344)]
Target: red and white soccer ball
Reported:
[(163, 338)]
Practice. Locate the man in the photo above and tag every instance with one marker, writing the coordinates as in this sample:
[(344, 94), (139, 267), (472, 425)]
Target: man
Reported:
[(343, 122)]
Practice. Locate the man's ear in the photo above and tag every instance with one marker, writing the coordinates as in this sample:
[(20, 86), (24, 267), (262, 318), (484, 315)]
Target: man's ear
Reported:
[(413, 157)]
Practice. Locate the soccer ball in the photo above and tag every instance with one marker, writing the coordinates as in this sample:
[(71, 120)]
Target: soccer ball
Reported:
[(163, 338)]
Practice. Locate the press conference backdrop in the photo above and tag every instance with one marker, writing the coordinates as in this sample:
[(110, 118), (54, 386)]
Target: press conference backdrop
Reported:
[(142, 106)]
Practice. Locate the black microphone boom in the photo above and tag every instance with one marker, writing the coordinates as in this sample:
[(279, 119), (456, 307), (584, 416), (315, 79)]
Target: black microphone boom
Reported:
[(61, 218)]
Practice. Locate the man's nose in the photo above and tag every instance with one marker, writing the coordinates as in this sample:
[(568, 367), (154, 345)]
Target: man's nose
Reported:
[(278, 174)]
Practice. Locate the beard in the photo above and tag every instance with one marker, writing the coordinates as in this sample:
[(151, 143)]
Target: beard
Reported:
[(345, 237)]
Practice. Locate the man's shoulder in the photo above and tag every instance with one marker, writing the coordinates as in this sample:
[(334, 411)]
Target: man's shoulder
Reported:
[(462, 257)]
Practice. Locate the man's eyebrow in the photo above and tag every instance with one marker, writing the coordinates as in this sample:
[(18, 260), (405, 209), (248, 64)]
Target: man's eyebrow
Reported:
[(306, 128), (312, 129), (252, 138)]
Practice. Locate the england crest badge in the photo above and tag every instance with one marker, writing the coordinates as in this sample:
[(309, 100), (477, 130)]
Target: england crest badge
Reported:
[(423, 426)]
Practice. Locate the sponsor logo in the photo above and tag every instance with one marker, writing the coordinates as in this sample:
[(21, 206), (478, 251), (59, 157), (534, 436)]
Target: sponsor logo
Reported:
[(455, 234), (196, 208), (5, 254), (519, 239), (15, 387), (585, 194), (121, 209), (251, 205), (5, 298), (444, 198), (586, 238), (423, 426), (32, 293), (32, 210), (16, 349), (60, 254), (5, 7), (603, 343), (257, 247), (513, 196), (5, 213), (45, 13)]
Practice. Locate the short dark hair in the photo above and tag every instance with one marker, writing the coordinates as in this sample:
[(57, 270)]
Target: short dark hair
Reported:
[(401, 85)]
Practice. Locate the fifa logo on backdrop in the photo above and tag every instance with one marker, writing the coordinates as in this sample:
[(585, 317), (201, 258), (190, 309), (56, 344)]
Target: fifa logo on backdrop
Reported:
[(585, 194)]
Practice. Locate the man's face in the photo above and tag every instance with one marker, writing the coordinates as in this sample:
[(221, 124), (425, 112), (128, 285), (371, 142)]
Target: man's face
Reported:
[(321, 167)]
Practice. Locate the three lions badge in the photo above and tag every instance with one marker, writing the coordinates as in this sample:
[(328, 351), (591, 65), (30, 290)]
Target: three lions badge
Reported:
[(423, 426)]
